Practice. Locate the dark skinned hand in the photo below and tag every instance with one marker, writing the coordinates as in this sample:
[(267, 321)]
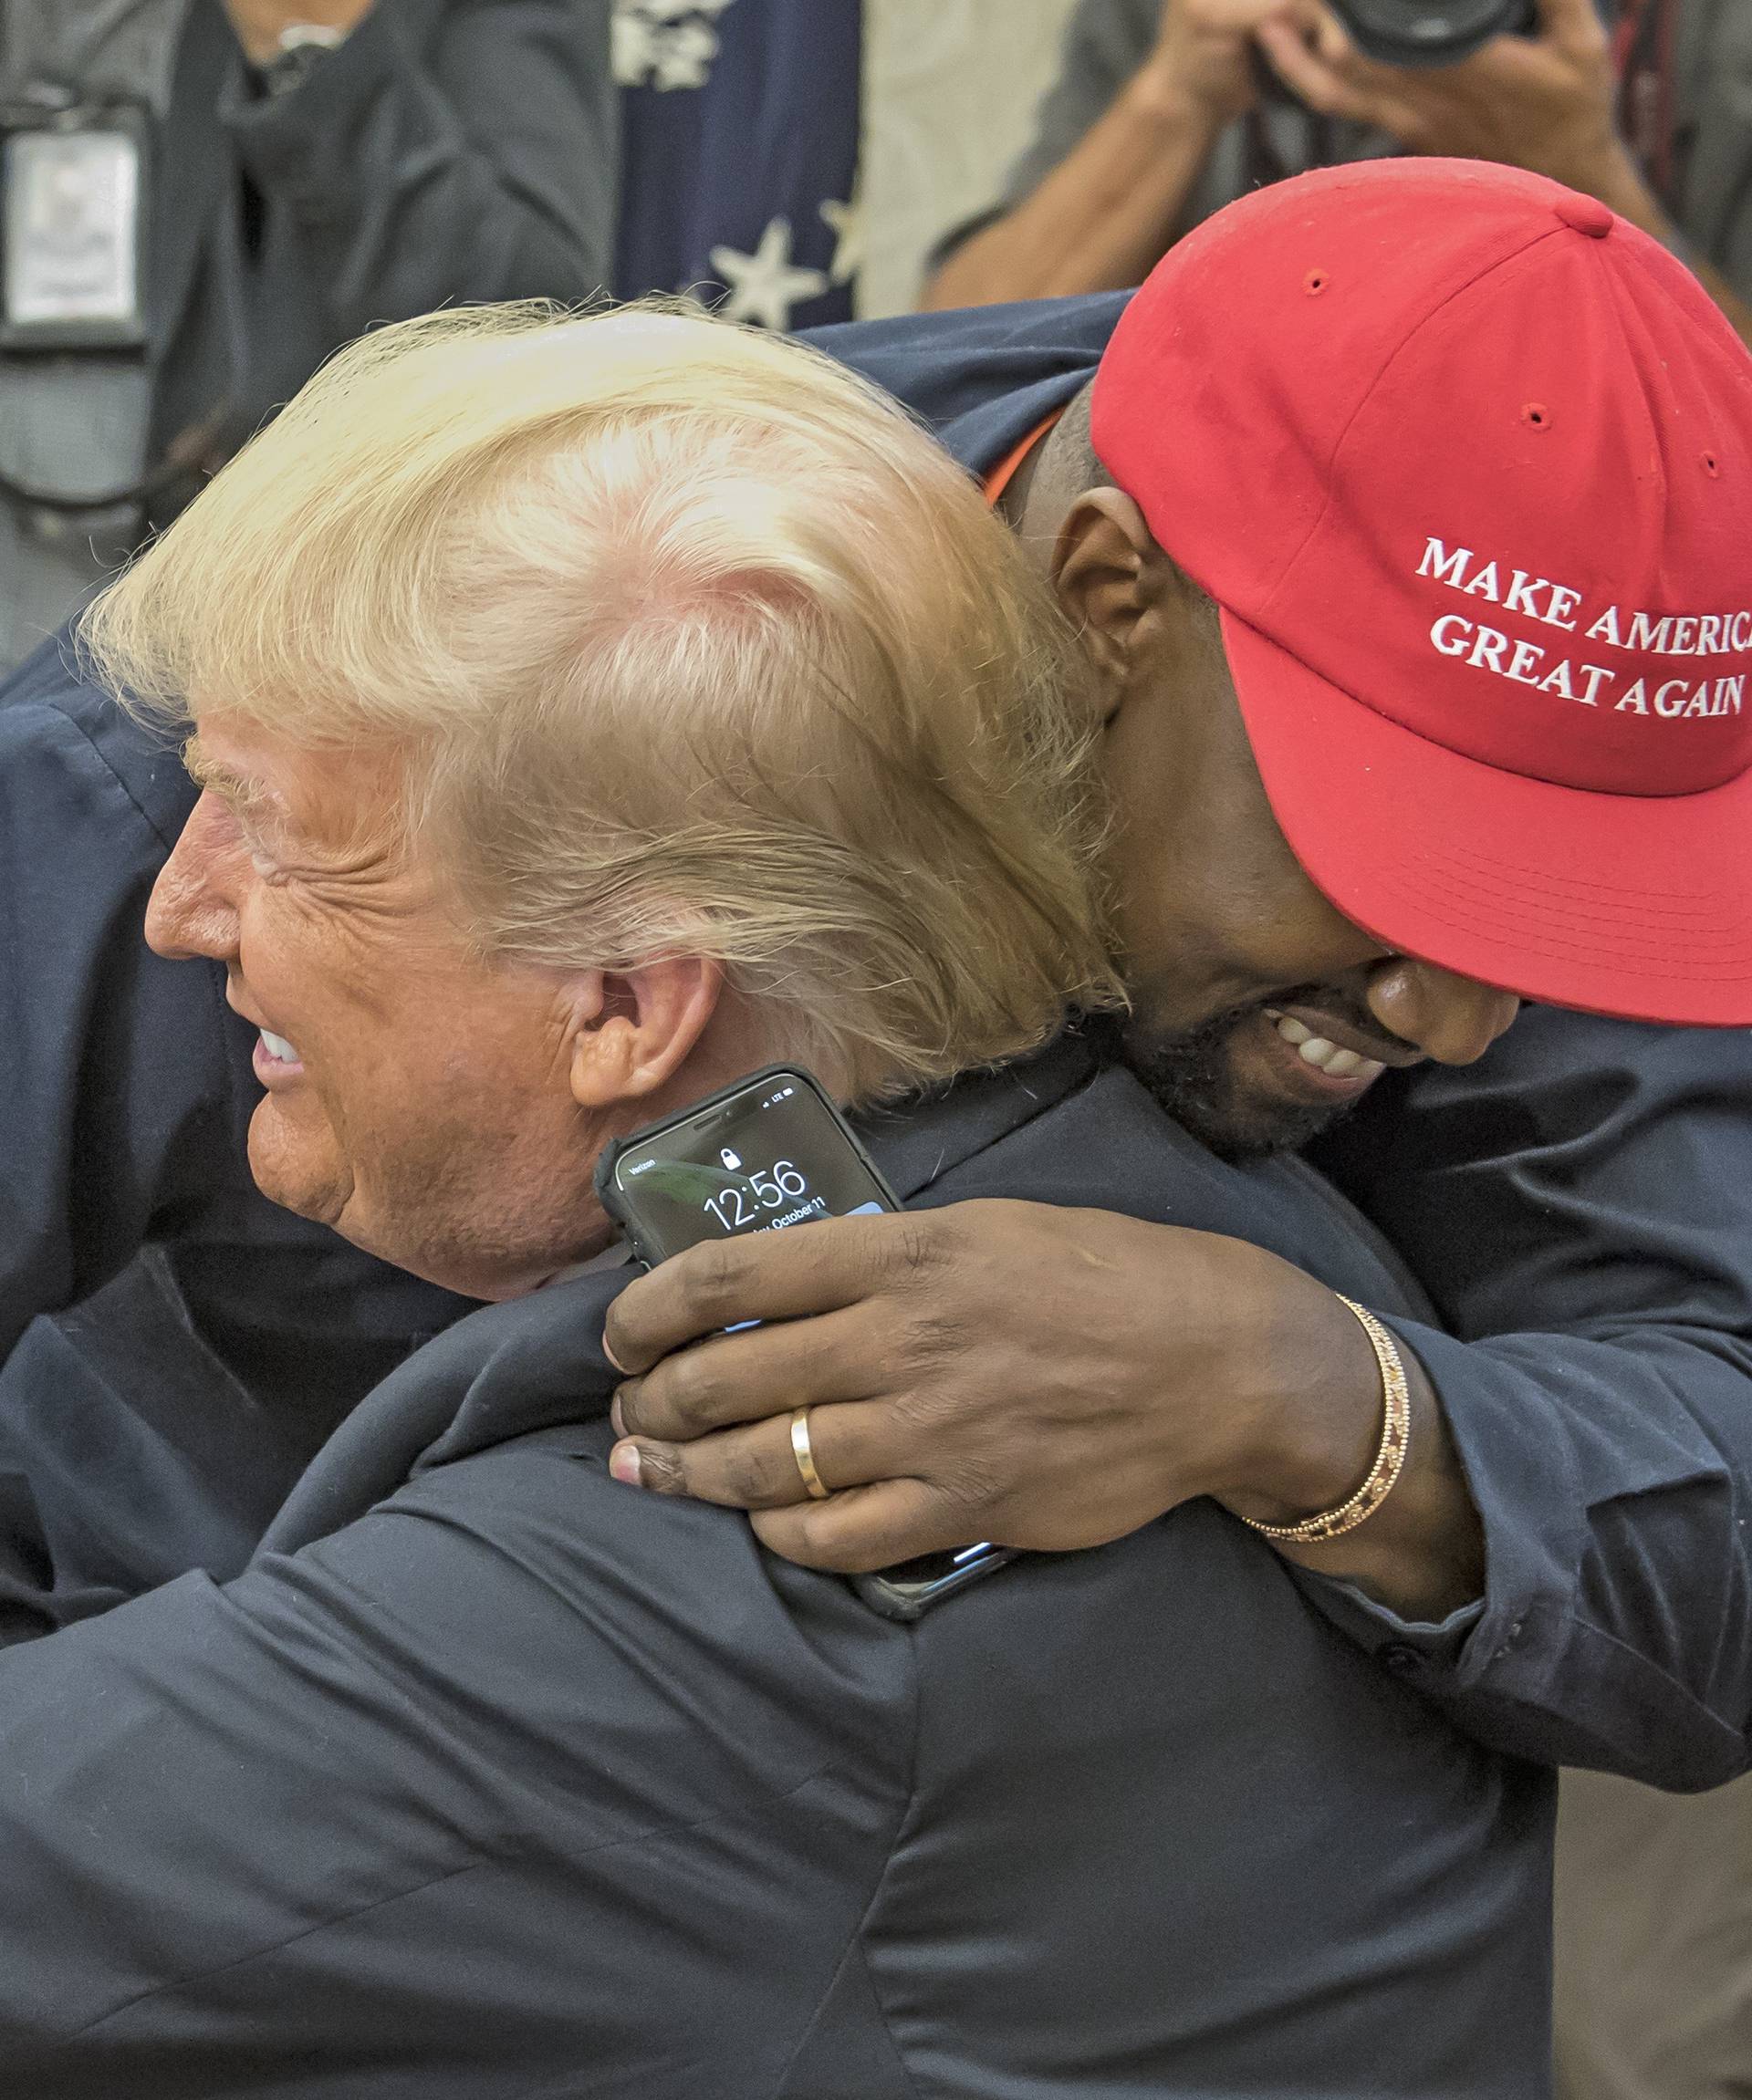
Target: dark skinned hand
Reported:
[(1043, 1378)]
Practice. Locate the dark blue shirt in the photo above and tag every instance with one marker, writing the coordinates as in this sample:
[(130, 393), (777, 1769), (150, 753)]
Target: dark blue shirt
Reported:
[(1580, 1207)]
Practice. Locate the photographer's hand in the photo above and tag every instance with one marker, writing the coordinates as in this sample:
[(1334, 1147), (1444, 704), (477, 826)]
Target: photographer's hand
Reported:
[(1545, 103), (1201, 66), (1107, 212), (1046, 1379)]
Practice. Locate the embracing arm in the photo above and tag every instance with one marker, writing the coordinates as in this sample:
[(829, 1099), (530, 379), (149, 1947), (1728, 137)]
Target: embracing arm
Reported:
[(1579, 1204), (1050, 1378)]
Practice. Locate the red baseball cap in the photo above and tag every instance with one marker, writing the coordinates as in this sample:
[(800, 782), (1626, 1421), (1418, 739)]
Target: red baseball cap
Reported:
[(1465, 461)]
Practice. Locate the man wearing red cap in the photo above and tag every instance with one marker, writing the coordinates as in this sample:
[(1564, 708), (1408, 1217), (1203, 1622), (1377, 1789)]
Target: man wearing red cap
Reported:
[(1405, 518)]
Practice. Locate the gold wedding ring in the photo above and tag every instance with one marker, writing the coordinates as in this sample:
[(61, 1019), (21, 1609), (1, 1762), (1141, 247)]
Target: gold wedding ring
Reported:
[(804, 1456)]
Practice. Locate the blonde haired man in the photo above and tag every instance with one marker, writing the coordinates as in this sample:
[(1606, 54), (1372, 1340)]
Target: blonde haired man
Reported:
[(585, 711)]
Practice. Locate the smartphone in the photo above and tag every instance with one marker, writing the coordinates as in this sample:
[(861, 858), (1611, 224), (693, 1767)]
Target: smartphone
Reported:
[(769, 1152), (766, 1153)]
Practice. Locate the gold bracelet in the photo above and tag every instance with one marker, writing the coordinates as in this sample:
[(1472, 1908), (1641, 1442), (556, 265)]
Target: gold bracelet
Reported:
[(1395, 1435)]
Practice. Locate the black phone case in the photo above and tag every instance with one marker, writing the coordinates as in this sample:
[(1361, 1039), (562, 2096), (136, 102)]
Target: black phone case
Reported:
[(887, 1593), (891, 1596), (613, 1200)]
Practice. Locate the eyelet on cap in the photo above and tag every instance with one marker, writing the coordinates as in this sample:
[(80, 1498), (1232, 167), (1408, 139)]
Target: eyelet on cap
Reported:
[(1315, 283), (1712, 466), (1536, 416)]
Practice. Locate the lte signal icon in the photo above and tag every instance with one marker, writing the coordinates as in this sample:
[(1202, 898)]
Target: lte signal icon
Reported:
[(730, 1159)]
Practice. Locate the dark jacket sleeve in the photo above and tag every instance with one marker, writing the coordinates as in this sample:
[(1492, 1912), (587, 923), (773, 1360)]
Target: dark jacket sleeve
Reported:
[(981, 379), (464, 152), (1579, 1205), (120, 1121), (441, 1800), (103, 1146)]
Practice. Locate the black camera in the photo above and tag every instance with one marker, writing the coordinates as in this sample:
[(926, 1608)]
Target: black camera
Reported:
[(1437, 32)]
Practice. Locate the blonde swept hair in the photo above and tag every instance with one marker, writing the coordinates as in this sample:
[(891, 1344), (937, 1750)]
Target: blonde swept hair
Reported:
[(693, 643)]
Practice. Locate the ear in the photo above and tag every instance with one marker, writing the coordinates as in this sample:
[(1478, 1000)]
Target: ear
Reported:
[(633, 1029), (1107, 572)]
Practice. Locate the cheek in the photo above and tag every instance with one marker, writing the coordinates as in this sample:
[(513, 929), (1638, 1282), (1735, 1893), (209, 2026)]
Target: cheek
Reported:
[(1174, 923), (267, 938), (297, 1156), (314, 983)]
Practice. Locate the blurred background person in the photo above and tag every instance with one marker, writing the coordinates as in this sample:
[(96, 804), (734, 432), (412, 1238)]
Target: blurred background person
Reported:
[(203, 198), (1166, 109)]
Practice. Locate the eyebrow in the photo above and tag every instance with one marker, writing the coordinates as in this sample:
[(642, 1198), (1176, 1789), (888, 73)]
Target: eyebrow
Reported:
[(242, 791)]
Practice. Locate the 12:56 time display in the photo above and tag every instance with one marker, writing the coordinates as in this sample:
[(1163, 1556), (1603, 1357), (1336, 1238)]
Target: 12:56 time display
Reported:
[(781, 1184)]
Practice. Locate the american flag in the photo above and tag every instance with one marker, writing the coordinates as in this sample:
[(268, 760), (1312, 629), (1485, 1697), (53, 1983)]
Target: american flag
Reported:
[(739, 180)]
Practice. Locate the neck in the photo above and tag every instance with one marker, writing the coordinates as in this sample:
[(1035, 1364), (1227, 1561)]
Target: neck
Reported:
[(1055, 474)]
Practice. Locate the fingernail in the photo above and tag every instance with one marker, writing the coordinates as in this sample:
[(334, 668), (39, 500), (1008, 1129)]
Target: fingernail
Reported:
[(615, 1360), (617, 1416), (623, 1464)]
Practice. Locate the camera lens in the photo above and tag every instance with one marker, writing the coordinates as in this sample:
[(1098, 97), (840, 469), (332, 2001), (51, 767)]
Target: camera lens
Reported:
[(1430, 32)]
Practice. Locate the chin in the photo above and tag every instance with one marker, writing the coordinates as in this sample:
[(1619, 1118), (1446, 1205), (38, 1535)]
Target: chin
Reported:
[(1200, 1080), (293, 1173)]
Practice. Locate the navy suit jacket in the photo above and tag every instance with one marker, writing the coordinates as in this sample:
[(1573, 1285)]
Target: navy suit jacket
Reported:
[(490, 1777)]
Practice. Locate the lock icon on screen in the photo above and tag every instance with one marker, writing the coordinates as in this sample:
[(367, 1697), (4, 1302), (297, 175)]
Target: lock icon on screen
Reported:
[(730, 1159)]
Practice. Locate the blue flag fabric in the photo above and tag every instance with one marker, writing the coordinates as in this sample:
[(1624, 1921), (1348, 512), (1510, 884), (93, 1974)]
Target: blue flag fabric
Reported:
[(740, 160)]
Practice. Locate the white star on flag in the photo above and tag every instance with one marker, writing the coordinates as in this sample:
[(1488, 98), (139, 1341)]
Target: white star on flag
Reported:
[(846, 222), (765, 285), (668, 43)]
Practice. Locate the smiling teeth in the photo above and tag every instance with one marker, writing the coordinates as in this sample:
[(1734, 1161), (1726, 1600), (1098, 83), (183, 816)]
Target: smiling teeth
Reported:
[(278, 1047), (1325, 1056)]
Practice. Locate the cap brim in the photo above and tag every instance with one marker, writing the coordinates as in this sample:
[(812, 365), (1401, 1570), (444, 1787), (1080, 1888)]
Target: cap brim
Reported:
[(1638, 905)]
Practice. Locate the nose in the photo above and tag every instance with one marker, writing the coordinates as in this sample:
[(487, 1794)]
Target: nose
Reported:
[(1453, 1019), (192, 910)]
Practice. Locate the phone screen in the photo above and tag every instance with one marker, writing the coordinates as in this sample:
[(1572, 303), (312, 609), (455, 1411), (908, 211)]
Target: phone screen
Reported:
[(768, 1155)]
